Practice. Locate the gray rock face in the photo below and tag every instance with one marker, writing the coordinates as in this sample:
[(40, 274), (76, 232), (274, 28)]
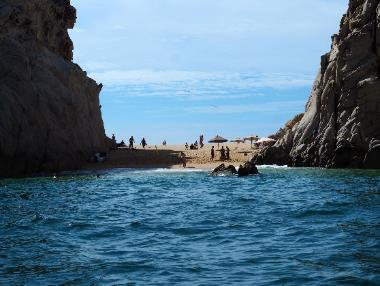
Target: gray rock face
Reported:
[(341, 125), (50, 117)]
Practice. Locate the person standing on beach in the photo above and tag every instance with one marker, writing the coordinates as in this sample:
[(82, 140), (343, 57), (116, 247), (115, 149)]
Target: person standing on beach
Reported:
[(183, 159), (201, 141), (143, 143), (131, 141), (212, 153), (222, 154), (228, 153)]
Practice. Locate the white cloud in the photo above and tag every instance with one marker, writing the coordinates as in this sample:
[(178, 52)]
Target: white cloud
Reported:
[(236, 80), (274, 106), (196, 86)]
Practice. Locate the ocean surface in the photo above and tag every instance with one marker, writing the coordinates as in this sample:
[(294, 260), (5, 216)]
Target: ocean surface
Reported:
[(174, 227)]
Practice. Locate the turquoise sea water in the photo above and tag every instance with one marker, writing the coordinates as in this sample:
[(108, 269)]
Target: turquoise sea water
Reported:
[(161, 227)]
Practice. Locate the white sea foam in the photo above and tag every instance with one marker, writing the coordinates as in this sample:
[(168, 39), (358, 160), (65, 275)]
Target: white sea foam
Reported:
[(164, 171), (271, 167)]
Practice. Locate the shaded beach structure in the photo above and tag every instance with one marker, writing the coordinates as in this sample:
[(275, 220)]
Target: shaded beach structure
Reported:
[(266, 141), (252, 138), (218, 139), (237, 140)]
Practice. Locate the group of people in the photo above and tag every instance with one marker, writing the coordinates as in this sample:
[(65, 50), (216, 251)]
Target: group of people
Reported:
[(131, 142), (195, 145), (192, 146), (224, 153)]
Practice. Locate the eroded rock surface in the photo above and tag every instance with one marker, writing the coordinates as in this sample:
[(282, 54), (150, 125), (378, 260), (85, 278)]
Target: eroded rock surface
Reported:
[(50, 117), (247, 169), (341, 125), (223, 170)]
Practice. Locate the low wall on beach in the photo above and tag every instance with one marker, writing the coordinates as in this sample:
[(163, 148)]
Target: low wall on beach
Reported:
[(50, 117)]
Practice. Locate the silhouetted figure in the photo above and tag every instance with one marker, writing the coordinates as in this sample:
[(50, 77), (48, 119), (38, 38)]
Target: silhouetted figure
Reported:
[(113, 143), (183, 159), (164, 143), (131, 142), (212, 153), (222, 154), (201, 141), (143, 143), (186, 146), (228, 153)]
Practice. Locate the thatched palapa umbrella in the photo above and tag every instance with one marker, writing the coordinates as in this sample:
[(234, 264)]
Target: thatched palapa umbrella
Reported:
[(218, 139), (252, 138), (238, 140)]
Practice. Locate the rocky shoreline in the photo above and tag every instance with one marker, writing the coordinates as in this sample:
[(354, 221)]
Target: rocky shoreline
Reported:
[(341, 124), (50, 117)]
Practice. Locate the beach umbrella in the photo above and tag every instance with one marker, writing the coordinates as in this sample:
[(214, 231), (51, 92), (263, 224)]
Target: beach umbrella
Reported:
[(252, 138), (218, 139), (265, 140), (238, 140)]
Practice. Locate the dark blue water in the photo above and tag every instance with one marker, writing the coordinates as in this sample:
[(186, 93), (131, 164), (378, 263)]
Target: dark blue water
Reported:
[(136, 227)]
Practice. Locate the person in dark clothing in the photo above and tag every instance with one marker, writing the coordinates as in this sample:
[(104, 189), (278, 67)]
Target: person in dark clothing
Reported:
[(131, 141), (143, 143), (183, 159), (222, 154), (228, 153), (121, 144), (212, 153)]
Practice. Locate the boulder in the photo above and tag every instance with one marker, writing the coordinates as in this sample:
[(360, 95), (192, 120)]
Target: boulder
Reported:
[(249, 168), (272, 156), (223, 170)]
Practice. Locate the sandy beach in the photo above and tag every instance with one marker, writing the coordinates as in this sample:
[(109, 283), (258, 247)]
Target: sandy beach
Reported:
[(159, 156)]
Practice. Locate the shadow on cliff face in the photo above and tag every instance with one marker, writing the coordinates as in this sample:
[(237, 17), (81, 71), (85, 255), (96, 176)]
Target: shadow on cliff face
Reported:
[(50, 117), (140, 158), (341, 124)]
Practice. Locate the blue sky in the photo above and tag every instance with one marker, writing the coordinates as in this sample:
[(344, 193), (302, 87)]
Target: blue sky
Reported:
[(175, 69)]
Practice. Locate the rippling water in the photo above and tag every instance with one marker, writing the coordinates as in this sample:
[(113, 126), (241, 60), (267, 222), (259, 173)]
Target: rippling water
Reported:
[(151, 227)]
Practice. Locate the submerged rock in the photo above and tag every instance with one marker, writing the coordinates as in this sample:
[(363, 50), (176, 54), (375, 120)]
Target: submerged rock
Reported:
[(50, 117), (249, 168), (223, 170), (341, 124)]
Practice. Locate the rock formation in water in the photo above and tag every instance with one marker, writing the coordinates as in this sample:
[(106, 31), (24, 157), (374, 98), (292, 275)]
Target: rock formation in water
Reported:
[(341, 125), (247, 169), (50, 117)]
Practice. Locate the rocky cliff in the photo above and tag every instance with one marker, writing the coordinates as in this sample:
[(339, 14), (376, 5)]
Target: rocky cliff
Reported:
[(50, 117), (341, 125)]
